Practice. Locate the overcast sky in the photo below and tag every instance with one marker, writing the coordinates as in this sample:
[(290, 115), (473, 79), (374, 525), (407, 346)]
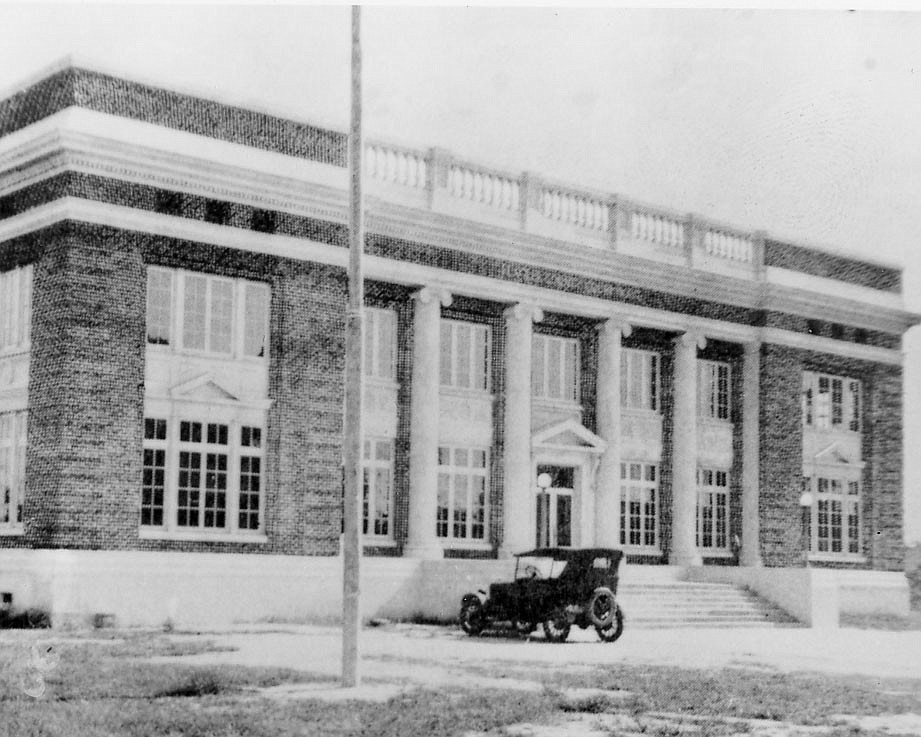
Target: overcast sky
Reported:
[(806, 124)]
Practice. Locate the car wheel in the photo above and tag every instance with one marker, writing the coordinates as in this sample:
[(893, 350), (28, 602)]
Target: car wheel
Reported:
[(601, 607), (556, 626), (523, 628), (614, 630), (472, 620)]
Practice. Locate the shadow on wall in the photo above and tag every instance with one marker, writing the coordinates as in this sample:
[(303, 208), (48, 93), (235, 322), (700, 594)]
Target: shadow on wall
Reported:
[(913, 574)]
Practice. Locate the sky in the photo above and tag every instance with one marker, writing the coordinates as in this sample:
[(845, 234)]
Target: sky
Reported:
[(801, 123)]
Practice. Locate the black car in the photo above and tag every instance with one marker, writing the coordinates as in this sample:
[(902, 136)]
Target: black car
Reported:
[(556, 588)]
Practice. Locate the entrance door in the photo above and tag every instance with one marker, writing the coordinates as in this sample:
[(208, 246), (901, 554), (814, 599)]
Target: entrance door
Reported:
[(554, 507)]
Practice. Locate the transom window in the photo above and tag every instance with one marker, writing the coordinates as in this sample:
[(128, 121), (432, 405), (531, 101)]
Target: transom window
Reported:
[(208, 314), (380, 336), (713, 389), (377, 488), (834, 519), (15, 308), (639, 490), (465, 355), (203, 476), (555, 367), (12, 469), (712, 509), (462, 493), (639, 379), (831, 402)]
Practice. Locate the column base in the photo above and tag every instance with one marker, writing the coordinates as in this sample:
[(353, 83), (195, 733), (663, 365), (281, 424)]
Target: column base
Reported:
[(684, 559), (424, 552), (752, 561)]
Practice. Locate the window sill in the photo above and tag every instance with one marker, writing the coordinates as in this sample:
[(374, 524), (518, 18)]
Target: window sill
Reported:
[(18, 350), (17, 531), (459, 391), (569, 405), (640, 550), (211, 537), (452, 544), (378, 542), (711, 553), (213, 355), (837, 558)]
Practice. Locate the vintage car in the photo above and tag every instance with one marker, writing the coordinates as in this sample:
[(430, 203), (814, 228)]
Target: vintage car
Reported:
[(553, 587)]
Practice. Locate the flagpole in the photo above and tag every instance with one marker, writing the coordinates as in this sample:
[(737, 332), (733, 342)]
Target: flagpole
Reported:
[(352, 435)]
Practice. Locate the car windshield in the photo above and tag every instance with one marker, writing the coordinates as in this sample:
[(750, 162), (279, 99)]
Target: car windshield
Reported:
[(533, 566)]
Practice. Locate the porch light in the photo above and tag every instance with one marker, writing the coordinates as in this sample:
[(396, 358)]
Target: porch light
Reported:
[(544, 480), (805, 499)]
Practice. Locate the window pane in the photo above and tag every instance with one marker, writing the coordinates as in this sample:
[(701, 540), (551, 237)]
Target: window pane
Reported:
[(564, 520), (221, 316), (571, 371), (479, 368), (386, 341), (538, 347), (194, 312), (554, 370), (462, 356), (256, 320), (159, 303), (447, 353)]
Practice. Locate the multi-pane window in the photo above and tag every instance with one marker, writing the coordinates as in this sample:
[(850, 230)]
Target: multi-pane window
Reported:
[(462, 493), (713, 389), (639, 488), (834, 520), (639, 379), (830, 402), (377, 500), (380, 334), (12, 469), (208, 314), (712, 509), (465, 355), (555, 368), (201, 476), (15, 308)]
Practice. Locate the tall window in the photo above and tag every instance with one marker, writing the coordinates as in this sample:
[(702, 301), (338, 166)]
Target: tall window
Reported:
[(639, 379), (713, 389), (380, 343), (834, 520), (201, 476), (378, 488), (831, 402), (208, 314), (555, 368), (465, 355), (639, 489), (712, 509), (15, 308), (462, 493), (12, 469)]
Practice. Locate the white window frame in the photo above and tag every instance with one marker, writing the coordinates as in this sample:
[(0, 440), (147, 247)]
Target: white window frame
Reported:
[(13, 440), (235, 450), (380, 350), (566, 353), (372, 465), (641, 380), (831, 486), (714, 390), (708, 490), (245, 293), (638, 480), (15, 310), (820, 410), (449, 350), (448, 475)]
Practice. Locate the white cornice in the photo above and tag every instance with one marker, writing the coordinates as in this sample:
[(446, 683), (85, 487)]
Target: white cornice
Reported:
[(95, 143), (418, 275)]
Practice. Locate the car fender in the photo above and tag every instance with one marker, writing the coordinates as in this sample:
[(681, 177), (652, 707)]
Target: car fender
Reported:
[(479, 595)]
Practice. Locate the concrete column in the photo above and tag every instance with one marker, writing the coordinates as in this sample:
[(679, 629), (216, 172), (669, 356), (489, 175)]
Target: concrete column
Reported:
[(684, 451), (421, 541), (607, 406), (751, 388), (518, 481)]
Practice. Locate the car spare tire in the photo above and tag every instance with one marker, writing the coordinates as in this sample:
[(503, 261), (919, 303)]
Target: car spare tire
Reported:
[(601, 607)]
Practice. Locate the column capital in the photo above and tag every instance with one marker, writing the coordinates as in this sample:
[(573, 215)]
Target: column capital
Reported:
[(615, 323), (752, 347), (426, 295), (691, 339), (524, 311)]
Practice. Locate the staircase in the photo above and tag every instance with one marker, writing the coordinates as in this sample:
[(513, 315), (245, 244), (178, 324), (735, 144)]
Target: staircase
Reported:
[(662, 601)]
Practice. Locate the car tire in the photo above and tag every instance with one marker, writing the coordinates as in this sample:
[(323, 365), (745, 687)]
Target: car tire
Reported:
[(601, 607), (556, 626), (472, 620), (613, 631)]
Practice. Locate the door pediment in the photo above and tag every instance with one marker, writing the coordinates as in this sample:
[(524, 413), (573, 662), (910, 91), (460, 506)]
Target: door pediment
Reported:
[(570, 435)]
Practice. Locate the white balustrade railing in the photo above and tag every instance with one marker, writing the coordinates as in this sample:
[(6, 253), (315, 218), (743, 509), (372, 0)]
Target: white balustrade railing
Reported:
[(722, 244), (495, 190), (575, 209), (656, 228), (393, 165)]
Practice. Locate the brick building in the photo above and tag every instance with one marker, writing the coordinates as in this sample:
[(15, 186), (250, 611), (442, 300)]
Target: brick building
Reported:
[(172, 311)]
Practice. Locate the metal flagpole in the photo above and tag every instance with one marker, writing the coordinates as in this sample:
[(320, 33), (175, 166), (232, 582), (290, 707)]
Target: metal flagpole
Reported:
[(351, 551)]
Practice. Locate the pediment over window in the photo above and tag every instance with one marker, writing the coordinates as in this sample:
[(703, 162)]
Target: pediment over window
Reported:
[(836, 454), (202, 388), (568, 434)]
